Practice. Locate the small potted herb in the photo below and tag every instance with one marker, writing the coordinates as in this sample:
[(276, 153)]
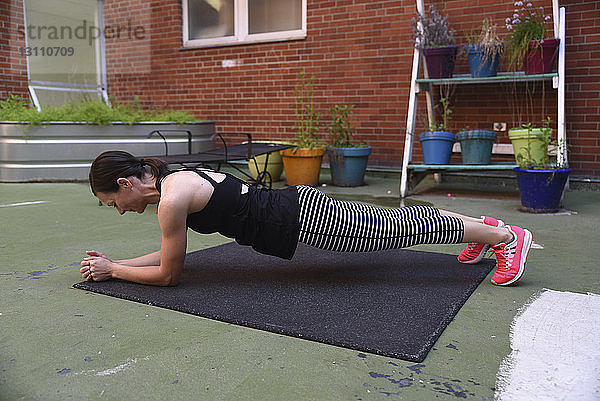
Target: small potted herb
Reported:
[(541, 180), (529, 46), (434, 36), (348, 160), (437, 142), (484, 50)]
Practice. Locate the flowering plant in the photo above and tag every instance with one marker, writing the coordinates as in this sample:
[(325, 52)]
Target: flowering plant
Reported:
[(526, 24), (434, 31)]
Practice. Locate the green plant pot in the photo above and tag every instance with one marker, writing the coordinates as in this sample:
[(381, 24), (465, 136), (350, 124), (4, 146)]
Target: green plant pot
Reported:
[(527, 143), (476, 146)]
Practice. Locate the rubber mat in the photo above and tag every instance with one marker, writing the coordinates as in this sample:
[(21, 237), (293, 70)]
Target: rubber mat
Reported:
[(394, 303)]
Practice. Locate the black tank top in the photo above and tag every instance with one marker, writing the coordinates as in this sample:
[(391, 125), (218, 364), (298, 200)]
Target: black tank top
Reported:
[(267, 220)]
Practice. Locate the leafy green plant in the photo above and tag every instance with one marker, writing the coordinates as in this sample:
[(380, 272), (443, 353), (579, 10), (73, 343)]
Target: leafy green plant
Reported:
[(96, 112), (525, 159), (340, 129), (307, 116), (487, 40), (434, 31), (526, 24), (446, 113)]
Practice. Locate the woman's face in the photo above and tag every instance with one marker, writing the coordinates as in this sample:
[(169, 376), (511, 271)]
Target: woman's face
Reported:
[(127, 199)]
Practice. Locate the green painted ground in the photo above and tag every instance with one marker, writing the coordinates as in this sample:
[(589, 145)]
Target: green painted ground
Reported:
[(58, 343)]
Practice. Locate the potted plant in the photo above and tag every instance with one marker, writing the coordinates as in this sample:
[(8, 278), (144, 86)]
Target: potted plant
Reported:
[(529, 47), (302, 164), (484, 50), (347, 160), (434, 36), (530, 143), (437, 142), (271, 163), (542, 181), (60, 142)]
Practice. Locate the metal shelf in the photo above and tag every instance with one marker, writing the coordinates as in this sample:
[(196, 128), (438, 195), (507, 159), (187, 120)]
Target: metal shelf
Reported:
[(412, 173), (501, 77), (462, 167)]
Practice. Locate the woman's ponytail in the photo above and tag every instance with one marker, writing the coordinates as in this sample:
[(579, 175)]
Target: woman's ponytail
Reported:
[(158, 167), (114, 164)]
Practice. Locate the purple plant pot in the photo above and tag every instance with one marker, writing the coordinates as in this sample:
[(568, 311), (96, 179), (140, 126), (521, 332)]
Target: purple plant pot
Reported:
[(440, 61), (541, 58)]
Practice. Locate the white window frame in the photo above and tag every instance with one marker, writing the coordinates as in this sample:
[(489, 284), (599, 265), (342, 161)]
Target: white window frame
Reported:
[(241, 35), (100, 88)]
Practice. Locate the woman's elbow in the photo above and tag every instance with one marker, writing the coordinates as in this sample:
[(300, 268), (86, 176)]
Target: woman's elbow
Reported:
[(170, 280), (168, 277)]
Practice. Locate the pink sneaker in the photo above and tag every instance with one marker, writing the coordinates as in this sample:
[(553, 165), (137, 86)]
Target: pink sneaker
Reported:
[(474, 251), (512, 257)]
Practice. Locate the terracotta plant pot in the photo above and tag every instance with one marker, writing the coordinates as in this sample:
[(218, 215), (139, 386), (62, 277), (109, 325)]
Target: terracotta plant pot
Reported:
[(302, 166)]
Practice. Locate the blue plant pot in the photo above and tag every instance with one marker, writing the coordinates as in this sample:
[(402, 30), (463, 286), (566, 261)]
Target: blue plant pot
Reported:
[(541, 190), (476, 146), (437, 146), (479, 67), (348, 165)]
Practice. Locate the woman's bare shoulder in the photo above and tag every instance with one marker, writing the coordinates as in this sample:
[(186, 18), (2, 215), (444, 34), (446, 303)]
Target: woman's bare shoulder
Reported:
[(185, 189)]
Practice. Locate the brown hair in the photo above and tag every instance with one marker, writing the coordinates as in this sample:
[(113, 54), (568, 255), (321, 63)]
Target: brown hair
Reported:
[(114, 164)]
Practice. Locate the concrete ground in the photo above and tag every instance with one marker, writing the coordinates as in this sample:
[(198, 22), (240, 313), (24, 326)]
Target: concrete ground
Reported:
[(59, 343)]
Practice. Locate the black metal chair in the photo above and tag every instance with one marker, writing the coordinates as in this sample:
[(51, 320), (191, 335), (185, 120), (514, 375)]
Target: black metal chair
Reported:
[(225, 155)]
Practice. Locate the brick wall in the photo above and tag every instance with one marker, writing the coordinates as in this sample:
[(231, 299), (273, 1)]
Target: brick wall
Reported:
[(13, 66), (360, 52)]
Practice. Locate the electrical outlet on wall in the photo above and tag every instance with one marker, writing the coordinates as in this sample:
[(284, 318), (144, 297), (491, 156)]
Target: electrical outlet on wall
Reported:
[(499, 126)]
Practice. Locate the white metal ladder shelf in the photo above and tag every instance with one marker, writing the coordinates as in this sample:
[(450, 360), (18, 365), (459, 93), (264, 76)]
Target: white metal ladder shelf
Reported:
[(413, 173)]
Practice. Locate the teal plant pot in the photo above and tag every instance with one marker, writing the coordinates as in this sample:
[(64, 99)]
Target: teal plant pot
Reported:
[(348, 165), (476, 146), (437, 146)]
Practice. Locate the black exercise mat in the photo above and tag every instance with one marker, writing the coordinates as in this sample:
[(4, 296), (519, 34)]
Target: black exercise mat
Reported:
[(394, 303)]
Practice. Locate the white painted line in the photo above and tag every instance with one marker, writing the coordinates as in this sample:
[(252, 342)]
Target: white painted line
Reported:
[(116, 369), (23, 203), (555, 355), (111, 371)]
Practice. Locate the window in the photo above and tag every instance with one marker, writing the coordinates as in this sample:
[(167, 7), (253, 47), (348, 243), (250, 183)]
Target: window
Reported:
[(209, 23), (64, 49)]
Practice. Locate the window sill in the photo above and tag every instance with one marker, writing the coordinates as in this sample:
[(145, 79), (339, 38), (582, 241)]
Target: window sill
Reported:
[(262, 38)]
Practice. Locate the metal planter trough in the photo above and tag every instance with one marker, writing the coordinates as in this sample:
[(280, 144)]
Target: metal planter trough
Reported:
[(64, 151)]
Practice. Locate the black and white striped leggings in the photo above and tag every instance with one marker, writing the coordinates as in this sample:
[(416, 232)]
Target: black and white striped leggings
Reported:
[(353, 227)]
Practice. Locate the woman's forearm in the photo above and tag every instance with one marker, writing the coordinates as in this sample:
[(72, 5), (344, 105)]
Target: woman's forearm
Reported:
[(151, 259), (151, 275)]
